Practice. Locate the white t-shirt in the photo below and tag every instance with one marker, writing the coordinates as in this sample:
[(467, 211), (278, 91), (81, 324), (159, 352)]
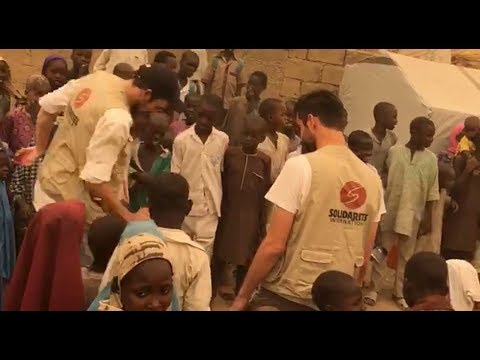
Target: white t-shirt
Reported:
[(464, 285), (292, 186)]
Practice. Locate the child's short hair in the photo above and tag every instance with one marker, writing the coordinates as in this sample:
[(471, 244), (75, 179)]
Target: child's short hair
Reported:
[(167, 191), (357, 137), (261, 76), (103, 237), (267, 107), (213, 100), (162, 56), (124, 71), (419, 123), (331, 288)]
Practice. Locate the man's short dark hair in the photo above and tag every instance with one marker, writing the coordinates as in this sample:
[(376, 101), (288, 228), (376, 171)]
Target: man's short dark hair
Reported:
[(161, 81), (323, 104), (162, 56), (267, 107), (420, 123), (213, 100), (261, 76)]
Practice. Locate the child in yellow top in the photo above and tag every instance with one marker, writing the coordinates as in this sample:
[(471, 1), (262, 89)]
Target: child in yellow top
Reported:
[(472, 127)]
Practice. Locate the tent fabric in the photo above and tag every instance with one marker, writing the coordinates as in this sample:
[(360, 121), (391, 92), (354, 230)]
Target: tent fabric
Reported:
[(445, 93)]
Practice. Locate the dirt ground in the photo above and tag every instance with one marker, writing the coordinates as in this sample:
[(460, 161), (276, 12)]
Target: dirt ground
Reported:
[(384, 301)]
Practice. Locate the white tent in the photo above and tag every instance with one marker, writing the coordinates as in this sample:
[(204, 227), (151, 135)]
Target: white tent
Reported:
[(445, 93)]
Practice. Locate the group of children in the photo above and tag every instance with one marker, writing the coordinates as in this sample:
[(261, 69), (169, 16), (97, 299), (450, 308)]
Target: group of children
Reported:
[(204, 173)]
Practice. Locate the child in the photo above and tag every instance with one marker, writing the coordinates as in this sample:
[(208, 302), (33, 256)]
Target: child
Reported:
[(361, 144), (55, 70), (149, 157), (463, 284), (412, 189), (337, 291), (246, 179), (192, 104), (225, 76), (18, 127), (291, 128), (124, 71), (7, 231), (111, 57), (273, 111), (6, 89), (81, 59), (426, 283), (167, 58), (169, 204), (103, 237), (384, 138), (461, 231), (198, 156), (142, 277), (188, 65), (241, 106), (470, 130)]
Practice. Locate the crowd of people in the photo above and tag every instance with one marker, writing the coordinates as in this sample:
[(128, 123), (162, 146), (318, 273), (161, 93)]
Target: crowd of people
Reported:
[(157, 187)]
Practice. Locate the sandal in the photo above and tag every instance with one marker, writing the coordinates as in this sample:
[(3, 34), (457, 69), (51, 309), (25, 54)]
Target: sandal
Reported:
[(400, 301), (371, 298)]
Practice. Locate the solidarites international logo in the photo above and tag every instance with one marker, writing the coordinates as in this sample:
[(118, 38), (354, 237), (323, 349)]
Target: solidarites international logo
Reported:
[(353, 196)]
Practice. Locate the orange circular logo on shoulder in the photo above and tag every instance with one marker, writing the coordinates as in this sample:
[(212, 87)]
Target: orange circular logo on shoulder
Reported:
[(353, 195), (82, 98)]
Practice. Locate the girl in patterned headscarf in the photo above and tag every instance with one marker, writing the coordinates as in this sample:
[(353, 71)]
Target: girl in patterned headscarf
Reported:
[(55, 70), (142, 276)]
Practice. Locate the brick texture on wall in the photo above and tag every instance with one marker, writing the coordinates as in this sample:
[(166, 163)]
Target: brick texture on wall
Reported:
[(291, 72)]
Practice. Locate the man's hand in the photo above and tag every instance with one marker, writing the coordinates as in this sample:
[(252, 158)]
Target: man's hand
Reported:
[(26, 156), (239, 304)]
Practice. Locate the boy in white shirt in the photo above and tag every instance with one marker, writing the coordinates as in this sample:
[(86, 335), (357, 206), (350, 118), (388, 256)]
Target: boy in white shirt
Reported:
[(111, 57), (198, 156)]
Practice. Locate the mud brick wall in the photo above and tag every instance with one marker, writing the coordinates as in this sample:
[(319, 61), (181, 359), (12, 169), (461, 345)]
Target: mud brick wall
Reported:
[(291, 72)]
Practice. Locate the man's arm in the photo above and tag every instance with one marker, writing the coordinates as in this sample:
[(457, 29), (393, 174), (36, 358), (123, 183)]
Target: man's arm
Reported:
[(102, 61), (109, 139), (241, 82), (198, 295), (270, 250)]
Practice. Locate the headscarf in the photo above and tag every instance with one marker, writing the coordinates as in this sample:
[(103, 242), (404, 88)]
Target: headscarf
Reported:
[(47, 275), (49, 59), (129, 255)]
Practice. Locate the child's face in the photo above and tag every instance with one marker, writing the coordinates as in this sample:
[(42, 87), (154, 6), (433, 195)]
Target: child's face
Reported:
[(389, 118), (192, 106), (189, 65), (353, 302), (290, 105), (34, 95), (363, 150), (4, 70), (207, 117), (252, 136), (157, 127), (4, 167), (254, 87), (279, 116), (471, 129), (426, 135), (171, 63), (148, 287), (81, 57), (56, 73)]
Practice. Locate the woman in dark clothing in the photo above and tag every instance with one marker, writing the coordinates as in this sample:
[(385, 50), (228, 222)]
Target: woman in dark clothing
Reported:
[(461, 229), (246, 179)]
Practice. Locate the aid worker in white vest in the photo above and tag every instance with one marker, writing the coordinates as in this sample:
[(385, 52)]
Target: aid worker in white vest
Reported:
[(88, 157), (327, 209)]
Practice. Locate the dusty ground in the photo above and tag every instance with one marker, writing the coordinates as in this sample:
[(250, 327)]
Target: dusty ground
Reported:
[(384, 301)]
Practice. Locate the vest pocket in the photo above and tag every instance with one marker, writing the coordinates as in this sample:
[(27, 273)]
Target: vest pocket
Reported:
[(312, 263)]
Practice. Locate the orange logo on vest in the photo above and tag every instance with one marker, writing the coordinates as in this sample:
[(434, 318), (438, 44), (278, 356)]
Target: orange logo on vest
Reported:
[(353, 195), (82, 98)]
